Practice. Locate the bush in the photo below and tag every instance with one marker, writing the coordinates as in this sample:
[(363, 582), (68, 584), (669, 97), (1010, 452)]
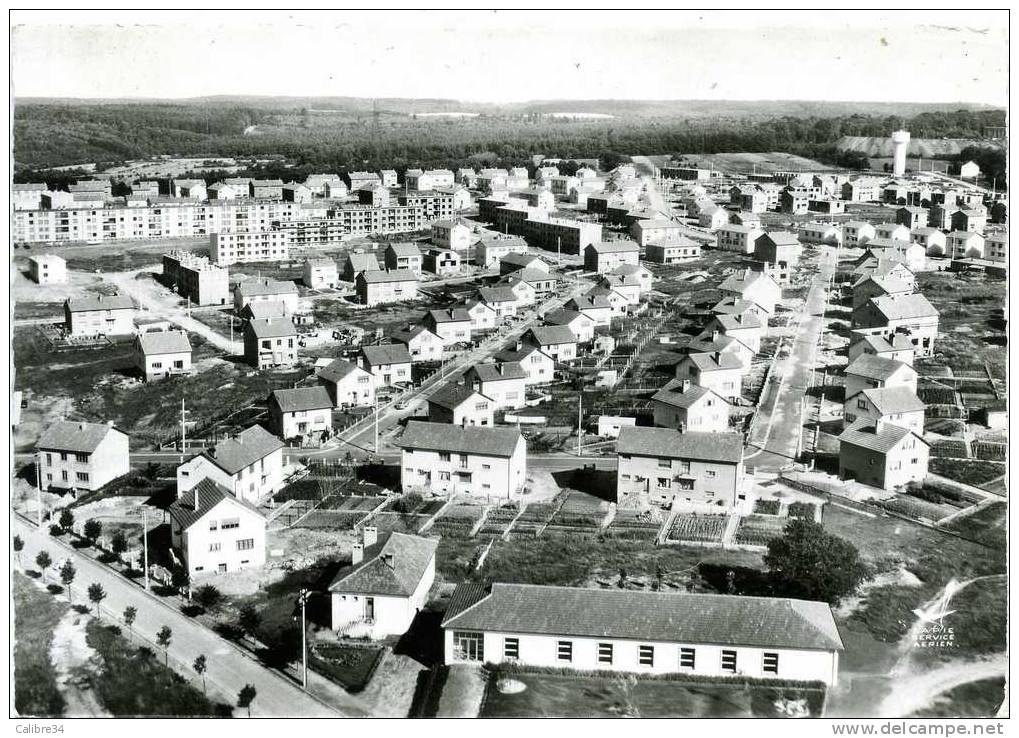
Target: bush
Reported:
[(408, 504), (802, 510), (56, 530)]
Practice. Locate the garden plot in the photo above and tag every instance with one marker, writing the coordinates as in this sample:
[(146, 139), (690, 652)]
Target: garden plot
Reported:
[(758, 530), (498, 521), (534, 518), (919, 509), (967, 472), (580, 513), (636, 525), (951, 448), (457, 520), (989, 450), (394, 522), (698, 529), (342, 513)]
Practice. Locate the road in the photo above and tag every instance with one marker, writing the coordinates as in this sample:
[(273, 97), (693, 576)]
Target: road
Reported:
[(776, 439), (658, 202), (229, 668)]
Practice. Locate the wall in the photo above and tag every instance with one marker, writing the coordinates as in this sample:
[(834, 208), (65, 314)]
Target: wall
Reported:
[(199, 537)]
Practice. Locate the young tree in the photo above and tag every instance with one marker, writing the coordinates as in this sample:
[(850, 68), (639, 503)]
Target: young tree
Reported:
[(200, 666), (246, 696), (812, 564), (164, 637), (92, 530), (43, 560), (130, 613), (208, 597), (118, 544), (179, 579), (96, 594), (67, 573), (622, 578), (18, 545), (249, 619), (66, 520)]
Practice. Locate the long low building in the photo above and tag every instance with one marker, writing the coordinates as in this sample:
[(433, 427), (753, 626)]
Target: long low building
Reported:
[(706, 635)]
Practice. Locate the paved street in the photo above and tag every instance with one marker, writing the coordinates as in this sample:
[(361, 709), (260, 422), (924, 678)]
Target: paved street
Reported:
[(229, 668), (776, 438)]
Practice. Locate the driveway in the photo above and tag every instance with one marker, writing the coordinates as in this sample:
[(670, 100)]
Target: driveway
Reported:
[(229, 668)]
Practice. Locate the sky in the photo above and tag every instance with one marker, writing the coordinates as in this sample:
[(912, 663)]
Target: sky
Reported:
[(508, 56)]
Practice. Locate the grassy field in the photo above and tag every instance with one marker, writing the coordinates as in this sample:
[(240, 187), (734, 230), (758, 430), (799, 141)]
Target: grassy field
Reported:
[(349, 666), (973, 700), (134, 682), (553, 695), (988, 525), (762, 163), (36, 614)]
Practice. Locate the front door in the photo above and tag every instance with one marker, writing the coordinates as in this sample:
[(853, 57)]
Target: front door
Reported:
[(369, 609)]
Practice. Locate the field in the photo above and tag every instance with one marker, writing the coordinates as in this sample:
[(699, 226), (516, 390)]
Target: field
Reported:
[(700, 528), (973, 700), (762, 163), (987, 525), (36, 614), (553, 695)]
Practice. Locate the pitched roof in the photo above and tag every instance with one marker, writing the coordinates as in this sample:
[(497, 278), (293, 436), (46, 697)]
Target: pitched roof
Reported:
[(199, 501), (627, 270), (83, 303), (615, 247), (452, 395), (732, 305), (590, 301), (667, 442), (394, 566), (377, 276), (301, 398), (646, 615), (886, 283), (782, 238), (899, 342), (899, 307), (875, 367), (337, 370), (497, 294), (714, 362), (265, 287), (551, 335), (674, 395), (736, 321), (740, 280), (360, 262), (164, 342), (264, 309), (409, 334), (864, 433), (387, 353), (404, 249), (892, 400), (519, 355), (564, 317), (484, 441), (77, 437), (524, 260), (450, 315), (272, 327), (530, 276), (489, 372), (244, 449)]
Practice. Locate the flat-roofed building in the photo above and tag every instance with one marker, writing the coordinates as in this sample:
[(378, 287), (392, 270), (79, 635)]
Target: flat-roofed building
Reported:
[(572, 236), (376, 287), (195, 278), (320, 274), (47, 269), (243, 247)]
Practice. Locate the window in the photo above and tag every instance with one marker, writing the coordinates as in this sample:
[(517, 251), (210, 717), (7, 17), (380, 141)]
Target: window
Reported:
[(664, 482), (861, 404), (214, 547), (665, 463), (63, 456), (213, 525), (604, 653), (770, 662), (230, 523), (564, 651), (245, 544), (49, 459), (468, 646), (511, 648), (646, 656), (709, 474), (443, 456), (729, 661), (82, 476), (687, 658), (81, 458), (443, 476), (157, 365)]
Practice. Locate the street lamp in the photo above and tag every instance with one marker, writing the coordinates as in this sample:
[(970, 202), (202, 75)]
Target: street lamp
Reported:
[(302, 600)]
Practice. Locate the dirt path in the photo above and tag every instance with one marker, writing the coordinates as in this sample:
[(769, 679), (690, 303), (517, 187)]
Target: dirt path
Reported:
[(68, 652), (146, 294)]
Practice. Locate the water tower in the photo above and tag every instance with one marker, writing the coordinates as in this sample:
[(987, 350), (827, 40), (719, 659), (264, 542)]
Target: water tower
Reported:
[(900, 142)]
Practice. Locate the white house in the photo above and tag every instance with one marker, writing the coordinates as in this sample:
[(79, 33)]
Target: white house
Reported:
[(720, 372), (581, 325), (630, 631), (898, 347), (160, 354), (893, 405), (450, 459), (249, 465), (270, 342), (856, 233), (377, 287), (965, 245), (302, 412), (504, 382), (266, 290), (538, 366), (99, 315), (388, 363), (78, 455), (348, 384), (605, 256), (47, 269), (421, 343), (684, 406), (556, 341), (449, 234), (756, 287), (460, 404), (452, 325), (892, 231), (483, 316), (882, 454), (385, 586), (320, 273), (869, 371), (213, 532), (609, 426)]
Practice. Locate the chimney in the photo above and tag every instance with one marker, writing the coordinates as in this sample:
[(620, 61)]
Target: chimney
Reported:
[(714, 336), (718, 357), (371, 535), (357, 553), (685, 385), (81, 426)]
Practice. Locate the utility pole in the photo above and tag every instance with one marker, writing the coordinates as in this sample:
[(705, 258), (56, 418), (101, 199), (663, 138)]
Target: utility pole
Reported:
[(303, 599), (376, 424), (183, 431), (38, 490), (580, 422), (145, 545), (559, 252)]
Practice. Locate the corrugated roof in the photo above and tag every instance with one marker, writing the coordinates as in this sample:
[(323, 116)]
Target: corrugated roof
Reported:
[(394, 566), (301, 399), (84, 303), (501, 442), (76, 437), (768, 622), (164, 342), (199, 501), (875, 367), (244, 449), (668, 442)]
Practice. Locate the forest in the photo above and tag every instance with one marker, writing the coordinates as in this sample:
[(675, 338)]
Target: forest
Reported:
[(310, 139)]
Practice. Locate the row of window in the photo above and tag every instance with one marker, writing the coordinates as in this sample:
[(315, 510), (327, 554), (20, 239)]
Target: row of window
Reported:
[(79, 476), (81, 458), (244, 544), (225, 524)]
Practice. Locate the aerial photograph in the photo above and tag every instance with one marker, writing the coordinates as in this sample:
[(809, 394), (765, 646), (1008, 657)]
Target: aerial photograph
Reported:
[(509, 364)]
